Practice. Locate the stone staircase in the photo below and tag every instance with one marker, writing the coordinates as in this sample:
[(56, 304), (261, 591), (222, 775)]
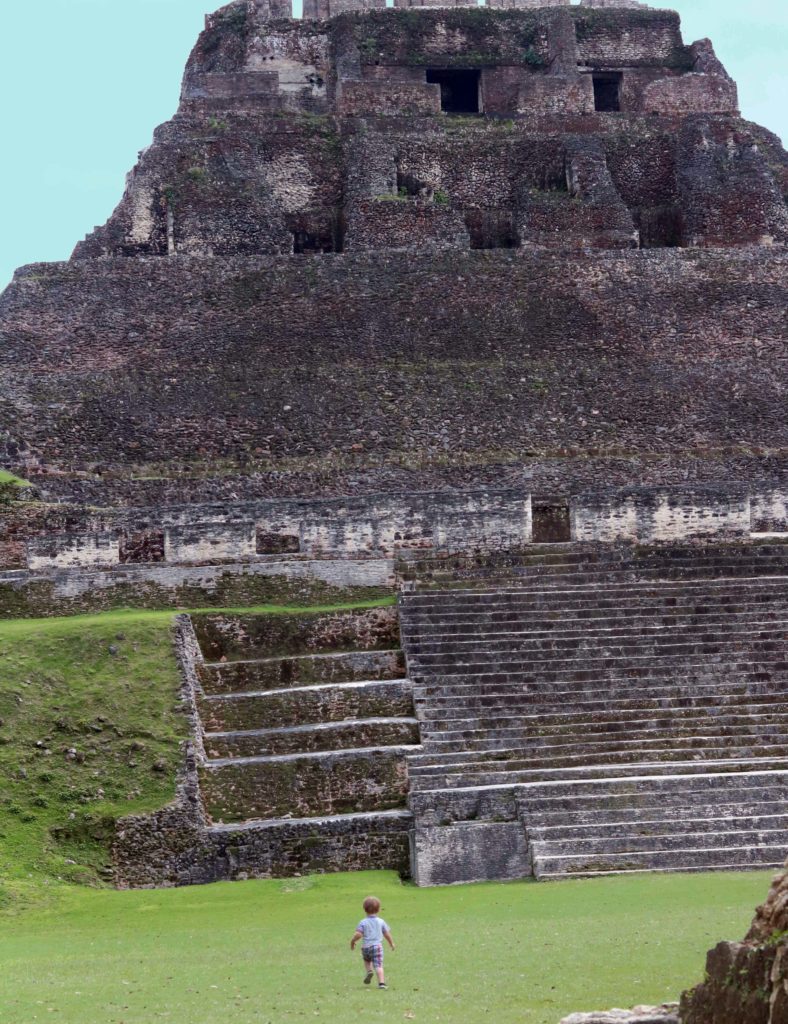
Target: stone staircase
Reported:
[(305, 722), (588, 710)]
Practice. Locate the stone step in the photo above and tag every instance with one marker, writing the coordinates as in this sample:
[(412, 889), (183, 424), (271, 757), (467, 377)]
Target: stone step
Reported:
[(546, 725), (280, 673), (713, 564), (729, 834), (568, 563), (771, 612), (753, 803), (306, 705), (518, 755), (337, 735), (507, 598), (764, 647), (594, 741), (584, 796), (741, 858), (640, 783), (634, 679), (584, 775), (590, 617), (571, 747), (692, 572), (479, 636), (549, 767), (733, 818), (592, 554), (680, 794), (250, 635), (756, 695), (575, 551), (562, 640), (305, 785)]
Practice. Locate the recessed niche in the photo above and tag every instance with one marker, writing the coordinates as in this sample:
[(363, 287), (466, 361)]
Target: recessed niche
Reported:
[(607, 91), (459, 89)]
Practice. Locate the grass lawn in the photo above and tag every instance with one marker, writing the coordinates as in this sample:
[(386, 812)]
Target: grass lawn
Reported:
[(277, 951), (9, 478), (90, 730)]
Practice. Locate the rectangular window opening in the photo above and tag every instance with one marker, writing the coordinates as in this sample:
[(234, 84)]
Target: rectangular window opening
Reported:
[(607, 91), (267, 543), (551, 521), (317, 234), (491, 229), (459, 89)]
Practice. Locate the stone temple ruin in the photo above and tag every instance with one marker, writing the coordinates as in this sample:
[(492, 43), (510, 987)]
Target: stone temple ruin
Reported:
[(481, 307)]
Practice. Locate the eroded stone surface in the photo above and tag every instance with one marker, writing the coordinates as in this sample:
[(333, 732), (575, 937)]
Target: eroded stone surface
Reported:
[(665, 1014)]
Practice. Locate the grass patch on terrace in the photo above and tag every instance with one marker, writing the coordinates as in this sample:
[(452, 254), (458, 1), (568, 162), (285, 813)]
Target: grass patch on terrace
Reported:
[(9, 478), (277, 951), (90, 730)]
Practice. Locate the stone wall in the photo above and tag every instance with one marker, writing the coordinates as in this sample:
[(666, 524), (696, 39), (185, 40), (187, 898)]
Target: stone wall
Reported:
[(25, 594), (645, 367), (655, 515), (371, 527)]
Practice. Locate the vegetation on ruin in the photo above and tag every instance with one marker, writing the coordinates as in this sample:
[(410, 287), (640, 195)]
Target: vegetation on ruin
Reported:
[(590, 21), (10, 488), (414, 36), (90, 730), (274, 951), (9, 478)]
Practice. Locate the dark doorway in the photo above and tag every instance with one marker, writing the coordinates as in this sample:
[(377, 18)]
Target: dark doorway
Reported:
[(607, 91), (316, 233), (491, 228), (551, 521), (459, 89)]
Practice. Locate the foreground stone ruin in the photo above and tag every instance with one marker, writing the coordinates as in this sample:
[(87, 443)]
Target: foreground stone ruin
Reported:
[(470, 318)]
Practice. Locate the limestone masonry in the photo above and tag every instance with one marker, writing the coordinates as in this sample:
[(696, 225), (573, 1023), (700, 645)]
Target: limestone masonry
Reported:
[(473, 316)]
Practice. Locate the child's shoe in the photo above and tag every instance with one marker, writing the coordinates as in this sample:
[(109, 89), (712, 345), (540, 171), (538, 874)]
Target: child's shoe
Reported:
[(382, 984), (368, 977)]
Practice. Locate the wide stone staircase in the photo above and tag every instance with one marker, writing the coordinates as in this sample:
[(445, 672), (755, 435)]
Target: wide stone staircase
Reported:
[(594, 709), (305, 721)]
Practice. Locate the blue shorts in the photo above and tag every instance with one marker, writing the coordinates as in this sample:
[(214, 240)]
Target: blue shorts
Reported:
[(373, 954)]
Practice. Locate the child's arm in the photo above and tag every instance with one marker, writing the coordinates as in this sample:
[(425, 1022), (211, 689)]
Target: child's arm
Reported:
[(356, 936), (388, 938)]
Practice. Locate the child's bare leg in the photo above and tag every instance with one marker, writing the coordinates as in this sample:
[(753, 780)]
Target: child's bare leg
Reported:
[(381, 976), (368, 971)]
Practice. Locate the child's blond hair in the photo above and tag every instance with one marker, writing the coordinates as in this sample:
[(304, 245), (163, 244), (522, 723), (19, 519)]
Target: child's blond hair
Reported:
[(372, 904)]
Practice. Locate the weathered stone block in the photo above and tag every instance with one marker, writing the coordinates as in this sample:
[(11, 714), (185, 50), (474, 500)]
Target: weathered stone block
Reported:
[(692, 93), (471, 852), (305, 786), (370, 98)]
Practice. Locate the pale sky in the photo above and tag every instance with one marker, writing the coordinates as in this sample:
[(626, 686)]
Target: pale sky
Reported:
[(85, 82)]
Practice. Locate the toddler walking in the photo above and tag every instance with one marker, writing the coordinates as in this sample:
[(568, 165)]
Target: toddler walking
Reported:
[(371, 932)]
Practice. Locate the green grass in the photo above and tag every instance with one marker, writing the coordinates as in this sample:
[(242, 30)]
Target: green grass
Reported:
[(90, 730), (275, 952), (9, 478)]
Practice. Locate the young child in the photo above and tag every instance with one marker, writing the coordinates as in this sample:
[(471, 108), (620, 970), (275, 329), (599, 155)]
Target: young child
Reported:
[(370, 933)]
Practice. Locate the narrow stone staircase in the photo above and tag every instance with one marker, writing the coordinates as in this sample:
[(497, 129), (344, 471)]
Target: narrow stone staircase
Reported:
[(305, 721), (588, 710)]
